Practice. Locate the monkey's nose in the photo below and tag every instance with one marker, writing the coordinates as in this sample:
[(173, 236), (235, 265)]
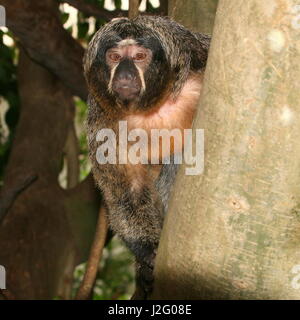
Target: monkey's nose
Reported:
[(126, 82), (126, 75)]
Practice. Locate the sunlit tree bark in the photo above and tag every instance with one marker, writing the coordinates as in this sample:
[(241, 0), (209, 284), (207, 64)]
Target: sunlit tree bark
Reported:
[(199, 15), (234, 231)]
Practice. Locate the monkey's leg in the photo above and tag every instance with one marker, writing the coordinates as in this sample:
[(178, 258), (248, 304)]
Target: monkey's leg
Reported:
[(144, 247), (144, 267), (137, 218)]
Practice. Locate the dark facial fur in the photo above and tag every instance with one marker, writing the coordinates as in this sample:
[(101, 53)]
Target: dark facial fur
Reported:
[(158, 67), (156, 75)]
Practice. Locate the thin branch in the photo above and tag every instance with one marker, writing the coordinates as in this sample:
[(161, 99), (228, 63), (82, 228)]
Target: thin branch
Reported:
[(85, 290)]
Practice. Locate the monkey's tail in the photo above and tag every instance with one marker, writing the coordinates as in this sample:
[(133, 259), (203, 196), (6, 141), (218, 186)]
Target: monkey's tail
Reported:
[(85, 290)]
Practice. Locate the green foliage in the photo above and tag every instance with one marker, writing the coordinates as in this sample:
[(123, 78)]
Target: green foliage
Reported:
[(64, 17), (116, 274), (99, 3), (150, 7), (118, 4), (83, 30)]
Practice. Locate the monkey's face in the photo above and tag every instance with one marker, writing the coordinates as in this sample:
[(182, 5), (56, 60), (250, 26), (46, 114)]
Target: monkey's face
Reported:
[(127, 66), (128, 63)]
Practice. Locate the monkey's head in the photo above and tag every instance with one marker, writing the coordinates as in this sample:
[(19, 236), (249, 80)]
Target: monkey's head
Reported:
[(139, 62)]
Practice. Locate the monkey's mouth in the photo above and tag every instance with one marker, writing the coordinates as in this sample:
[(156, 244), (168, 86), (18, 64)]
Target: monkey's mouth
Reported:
[(127, 91)]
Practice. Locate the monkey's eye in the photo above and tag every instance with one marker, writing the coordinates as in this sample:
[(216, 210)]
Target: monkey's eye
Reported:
[(140, 56), (115, 57)]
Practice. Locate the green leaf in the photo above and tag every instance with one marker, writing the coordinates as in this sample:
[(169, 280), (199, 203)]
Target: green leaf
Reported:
[(64, 17), (82, 30), (118, 4)]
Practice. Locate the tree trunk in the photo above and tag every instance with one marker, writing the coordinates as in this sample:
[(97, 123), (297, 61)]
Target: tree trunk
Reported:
[(48, 230), (234, 231), (198, 15)]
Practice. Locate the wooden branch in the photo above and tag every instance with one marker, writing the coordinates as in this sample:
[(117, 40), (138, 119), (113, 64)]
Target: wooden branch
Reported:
[(133, 8), (85, 290)]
